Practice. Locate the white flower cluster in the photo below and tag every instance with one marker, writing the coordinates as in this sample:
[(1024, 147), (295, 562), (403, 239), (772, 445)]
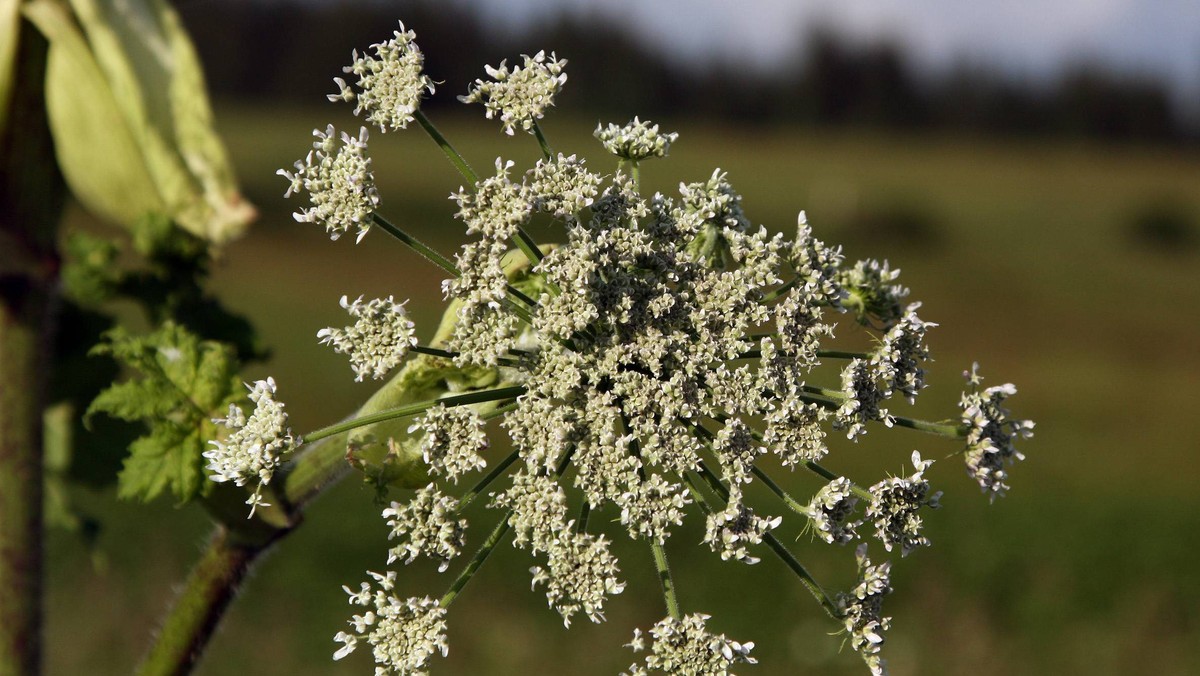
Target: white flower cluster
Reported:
[(521, 96), (257, 445), (636, 140), (731, 530), (378, 341), (339, 183), (831, 509), (862, 610), (871, 293), (391, 83), (685, 646), (403, 633), (426, 526), (453, 440), (991, 434), (661, 333), (895, 502)]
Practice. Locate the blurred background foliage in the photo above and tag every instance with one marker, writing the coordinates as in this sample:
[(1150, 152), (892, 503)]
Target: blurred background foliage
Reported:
[(1050, 229)]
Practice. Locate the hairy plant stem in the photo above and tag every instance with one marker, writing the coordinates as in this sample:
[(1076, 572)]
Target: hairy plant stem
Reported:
[(451, 154), (542, 142), (31, 200), (665, 579), (485, 550), (210, 587)]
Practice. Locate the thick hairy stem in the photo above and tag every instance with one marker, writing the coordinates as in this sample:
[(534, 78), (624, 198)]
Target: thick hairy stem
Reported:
[(31, 197), (209, 589)]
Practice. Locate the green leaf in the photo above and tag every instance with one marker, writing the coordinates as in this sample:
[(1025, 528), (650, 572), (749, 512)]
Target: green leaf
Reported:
[(136, 77), (184, 384)]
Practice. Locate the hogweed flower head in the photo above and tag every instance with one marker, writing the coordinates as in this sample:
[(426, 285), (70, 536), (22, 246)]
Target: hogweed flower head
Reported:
[(453, 440), (403, 633), (894, 507), (862, 610), (730, 531), (257, 445), (378, 341), (660, 334), (685, 646), (580, 575), (831, 510), (991, 434), (339, 183), (390, 83), (426, 526), (636, 140), (519, 97)]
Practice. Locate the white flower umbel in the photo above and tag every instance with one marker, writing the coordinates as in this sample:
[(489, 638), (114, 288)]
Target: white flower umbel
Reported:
[(650, 508), (895, 502), (861, 610), (900, 355), (794, 431), (539, 510), (870, 292), (685, 646), (257, 445), (864, 393), (817, 266), (403, 633), (390, 83), (379, 339), (454, 437), (339, 183), (831, 510), (426, 526), (635, 141), (521, 96), (562, 187), (581, 573), (991, 434), (730, 531)]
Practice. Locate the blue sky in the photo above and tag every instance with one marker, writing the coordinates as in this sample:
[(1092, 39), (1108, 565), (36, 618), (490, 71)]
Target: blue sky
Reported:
[(1026, 37)]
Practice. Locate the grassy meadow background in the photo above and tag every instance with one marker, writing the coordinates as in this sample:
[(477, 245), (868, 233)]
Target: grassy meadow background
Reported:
[(1039, 259)]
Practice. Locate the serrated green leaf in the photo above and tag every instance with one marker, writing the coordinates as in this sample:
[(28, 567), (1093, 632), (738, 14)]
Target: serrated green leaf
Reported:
[(184, 383)]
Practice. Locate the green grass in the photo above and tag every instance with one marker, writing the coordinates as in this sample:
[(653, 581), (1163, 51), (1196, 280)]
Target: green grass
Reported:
[(1022, 255)]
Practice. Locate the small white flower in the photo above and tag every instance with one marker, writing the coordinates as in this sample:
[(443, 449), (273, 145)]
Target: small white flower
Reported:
[(861, 610), (580, 575), (685, 646), (454, 437), (730, 531), (426, 526), (831, 509), (390, 83), (403, 633), (895, 502), (378, 341), (635, 141), (991, 434), (257, 445), (339, 183), (521, 96)]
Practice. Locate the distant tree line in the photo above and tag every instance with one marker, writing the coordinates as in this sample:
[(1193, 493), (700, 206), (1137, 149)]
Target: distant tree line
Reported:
[(278, 51)]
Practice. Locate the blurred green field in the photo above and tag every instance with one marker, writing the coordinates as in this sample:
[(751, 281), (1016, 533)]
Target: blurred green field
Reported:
[(1035, 259)]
